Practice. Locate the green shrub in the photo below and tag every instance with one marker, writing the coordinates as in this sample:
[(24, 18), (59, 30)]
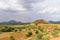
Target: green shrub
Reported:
[(36, 32), (12, 38), (15, 30), (29, 34), (54, 33), (45, 37), (7, 29), (40, 28), (45, 33), (38, 37)]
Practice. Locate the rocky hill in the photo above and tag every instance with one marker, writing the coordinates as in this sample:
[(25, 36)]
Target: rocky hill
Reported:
[(41, 21)]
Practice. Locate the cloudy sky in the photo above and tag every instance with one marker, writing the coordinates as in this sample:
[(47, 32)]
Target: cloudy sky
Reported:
[(29, 10)]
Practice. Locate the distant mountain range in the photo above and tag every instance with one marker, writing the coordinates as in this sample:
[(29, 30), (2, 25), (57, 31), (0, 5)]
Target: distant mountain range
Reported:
[(54, 22), (18, 22), (13, 22)]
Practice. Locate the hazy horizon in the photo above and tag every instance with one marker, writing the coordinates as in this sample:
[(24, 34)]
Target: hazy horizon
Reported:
[(29, 10)]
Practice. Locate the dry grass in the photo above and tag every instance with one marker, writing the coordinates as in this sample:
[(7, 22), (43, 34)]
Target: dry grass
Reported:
[(18, 35)]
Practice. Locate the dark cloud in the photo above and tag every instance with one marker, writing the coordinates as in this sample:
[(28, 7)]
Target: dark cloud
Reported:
[(32, 1), (27, 3)]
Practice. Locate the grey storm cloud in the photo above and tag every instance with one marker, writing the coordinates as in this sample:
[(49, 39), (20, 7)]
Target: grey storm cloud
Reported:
[(27, 3)]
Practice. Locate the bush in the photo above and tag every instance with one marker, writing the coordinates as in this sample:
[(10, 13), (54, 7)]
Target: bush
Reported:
[(7, 29), (36, 32), (54, 33), (40, 28), (45, 37), (15, 30), (29, 34), (45, 33), (38, 37), (12, 38)]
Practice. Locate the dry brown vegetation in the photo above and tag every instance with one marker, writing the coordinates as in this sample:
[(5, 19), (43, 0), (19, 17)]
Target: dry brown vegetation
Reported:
[(30, 32)]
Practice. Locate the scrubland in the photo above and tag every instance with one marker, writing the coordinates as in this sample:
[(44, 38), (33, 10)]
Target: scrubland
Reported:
[(30, 32)]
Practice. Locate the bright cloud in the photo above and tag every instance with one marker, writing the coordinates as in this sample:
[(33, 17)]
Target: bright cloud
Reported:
[(11, 4), (47, 6), (50, 9)]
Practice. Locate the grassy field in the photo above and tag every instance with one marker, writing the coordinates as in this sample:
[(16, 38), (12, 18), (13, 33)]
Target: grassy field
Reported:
[(30, 32)]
